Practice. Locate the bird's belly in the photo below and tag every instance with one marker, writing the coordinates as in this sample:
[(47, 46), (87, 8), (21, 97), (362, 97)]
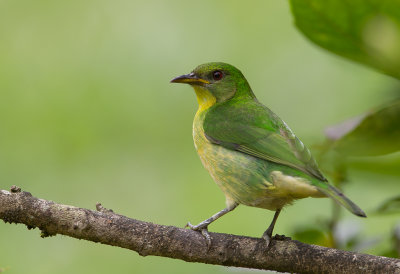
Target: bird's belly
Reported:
[(240, 177), (249, 180)]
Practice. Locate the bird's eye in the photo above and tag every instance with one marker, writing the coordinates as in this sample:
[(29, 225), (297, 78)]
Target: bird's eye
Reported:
[(217, 75)]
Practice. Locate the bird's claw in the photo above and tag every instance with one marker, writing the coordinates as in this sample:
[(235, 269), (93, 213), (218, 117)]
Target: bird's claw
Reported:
[(203, 230), (267, 239), (277, 237), (192, 227), (267, 236)]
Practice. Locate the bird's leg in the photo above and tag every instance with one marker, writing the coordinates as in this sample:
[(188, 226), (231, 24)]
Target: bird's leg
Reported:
[(268, 233), (202, 227)]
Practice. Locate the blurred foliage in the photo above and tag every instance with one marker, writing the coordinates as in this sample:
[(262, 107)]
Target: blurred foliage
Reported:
[(391, 205), (367, 32), (87, 115), (364, 31), (394, 250), (375, 133), (313, 235)]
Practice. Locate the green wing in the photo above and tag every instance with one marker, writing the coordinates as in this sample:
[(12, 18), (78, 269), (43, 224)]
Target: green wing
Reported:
[(250, 127)]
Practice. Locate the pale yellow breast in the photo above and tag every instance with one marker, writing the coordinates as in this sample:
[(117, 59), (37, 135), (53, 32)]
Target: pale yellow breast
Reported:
[(241, 177), (205, 100)]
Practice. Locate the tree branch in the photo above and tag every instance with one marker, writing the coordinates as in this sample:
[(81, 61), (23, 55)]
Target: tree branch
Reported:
[(109, 228)]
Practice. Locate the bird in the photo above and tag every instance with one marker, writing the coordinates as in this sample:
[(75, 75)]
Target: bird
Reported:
[(251, 153)]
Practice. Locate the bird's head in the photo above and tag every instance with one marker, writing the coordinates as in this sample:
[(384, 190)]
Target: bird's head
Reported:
[(217, 81)]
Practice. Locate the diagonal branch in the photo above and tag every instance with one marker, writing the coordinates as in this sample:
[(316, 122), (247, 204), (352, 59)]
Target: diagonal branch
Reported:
[(109, 228)]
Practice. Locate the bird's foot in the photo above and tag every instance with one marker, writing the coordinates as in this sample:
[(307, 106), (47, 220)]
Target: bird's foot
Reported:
[(268, 238), (204, 231)]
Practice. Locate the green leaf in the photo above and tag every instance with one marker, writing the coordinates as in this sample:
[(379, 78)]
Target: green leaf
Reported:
[(390, 206), (385, 165), (394, 250), (312, 235), (376, 133), (364, 31)]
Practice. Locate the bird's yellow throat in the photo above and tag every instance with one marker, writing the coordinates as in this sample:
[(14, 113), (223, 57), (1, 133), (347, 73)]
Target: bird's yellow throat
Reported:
[(204, 98)]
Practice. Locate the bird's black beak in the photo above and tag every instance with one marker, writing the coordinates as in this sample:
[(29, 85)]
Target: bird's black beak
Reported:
[(190, 79)]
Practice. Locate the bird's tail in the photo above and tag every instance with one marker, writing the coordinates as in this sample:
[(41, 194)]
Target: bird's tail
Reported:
[(339, 197)]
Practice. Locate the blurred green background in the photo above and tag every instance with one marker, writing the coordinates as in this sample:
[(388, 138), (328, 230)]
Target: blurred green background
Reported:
[(88, 115)]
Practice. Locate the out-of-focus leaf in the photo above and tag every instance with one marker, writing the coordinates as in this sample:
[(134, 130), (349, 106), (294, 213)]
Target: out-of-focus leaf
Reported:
[(396, 236), (338, 131), (364, 31), (387, 164), (391, 253), (313, 236), (390, 206), (378, 133), (394, 251)]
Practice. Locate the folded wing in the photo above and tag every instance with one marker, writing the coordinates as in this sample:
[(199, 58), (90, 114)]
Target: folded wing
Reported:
[(252, 128)]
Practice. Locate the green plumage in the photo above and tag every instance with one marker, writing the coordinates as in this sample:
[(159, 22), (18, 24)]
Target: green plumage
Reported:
[(249, 151), (247, 126)]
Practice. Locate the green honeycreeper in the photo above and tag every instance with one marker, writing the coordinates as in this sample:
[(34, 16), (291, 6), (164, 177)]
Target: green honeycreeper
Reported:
[(252, 155)]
